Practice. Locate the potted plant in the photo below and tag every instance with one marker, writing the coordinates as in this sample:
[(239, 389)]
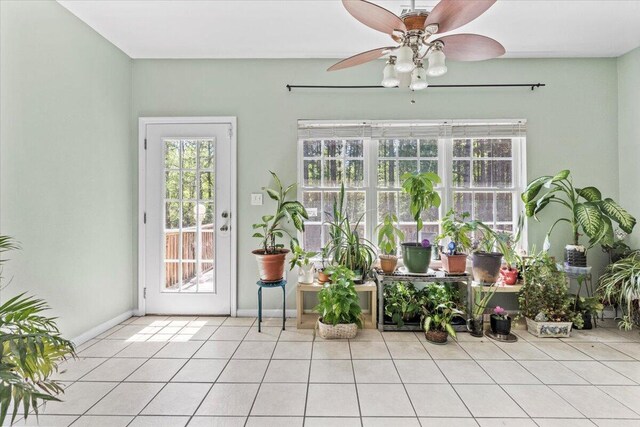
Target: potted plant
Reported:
[(588, 307), (271, 255), (420, 188), (345, 246), (454, 258), (339, 305), (544, 300), (500, 321), (620, 284), (437, 323), (322, 276), (401, 302), (588, 213), (388, 233), (481, 297), (485, 260), (302, 259)]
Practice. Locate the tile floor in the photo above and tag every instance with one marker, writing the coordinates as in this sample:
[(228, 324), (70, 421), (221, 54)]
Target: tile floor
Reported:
[(208, 371)]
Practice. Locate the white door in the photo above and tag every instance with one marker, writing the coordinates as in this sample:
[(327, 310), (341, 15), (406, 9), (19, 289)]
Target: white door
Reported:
[(188, 218)]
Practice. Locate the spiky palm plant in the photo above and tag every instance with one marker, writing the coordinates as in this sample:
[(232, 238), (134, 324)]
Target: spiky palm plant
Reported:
[(30, 349)]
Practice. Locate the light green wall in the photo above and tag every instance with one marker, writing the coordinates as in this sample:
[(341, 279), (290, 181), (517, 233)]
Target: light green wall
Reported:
[(629, 134), (572, 123), (66, 164)]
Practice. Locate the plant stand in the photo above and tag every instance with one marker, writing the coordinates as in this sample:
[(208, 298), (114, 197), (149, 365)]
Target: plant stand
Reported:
[(430, 277), (308, 320), (575, 273), (282, 284)]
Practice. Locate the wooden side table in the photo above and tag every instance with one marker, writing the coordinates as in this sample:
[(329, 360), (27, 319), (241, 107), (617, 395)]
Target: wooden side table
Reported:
[(308, 320)]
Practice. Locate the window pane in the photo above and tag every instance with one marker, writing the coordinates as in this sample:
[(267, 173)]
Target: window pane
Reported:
[(429, 148), (482, 148), (333, 173), (206, 153), (410, 166), (404, 213), (207, 186), (328, 199), (171, 274), (354, 148), (311, 173), (483, 207), (188, 215), (311, 201), (482, 173), (461, 171), (429, 231), (387, 148), (354, 173), (311, 148), (502, 173), (462, 148), (188, 185), (172, 184), (462, 202), (172, 215), (208, 219), (387, 204), (501, 147), (387, 173), (171, 154), (504, 207), (333, 148), (355, 206), (409, 231), (312, 237), (407, 148), (429, 166), (189, 154)]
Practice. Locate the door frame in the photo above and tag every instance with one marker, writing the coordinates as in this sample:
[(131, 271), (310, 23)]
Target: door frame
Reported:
[(143, 122)]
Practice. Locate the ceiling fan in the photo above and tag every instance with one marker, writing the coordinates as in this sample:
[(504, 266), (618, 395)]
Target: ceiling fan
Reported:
[(414, 33)]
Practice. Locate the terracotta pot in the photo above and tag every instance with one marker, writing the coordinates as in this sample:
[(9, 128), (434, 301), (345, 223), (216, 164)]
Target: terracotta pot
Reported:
[(388, 263), (454, 263), (509, 275), (271, 266), (438, 337), (322, 277)]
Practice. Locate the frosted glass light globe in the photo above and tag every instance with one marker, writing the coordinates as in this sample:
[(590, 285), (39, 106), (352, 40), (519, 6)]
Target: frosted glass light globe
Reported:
[(437, 65), (404, 61), (389, 76), (418, 78)]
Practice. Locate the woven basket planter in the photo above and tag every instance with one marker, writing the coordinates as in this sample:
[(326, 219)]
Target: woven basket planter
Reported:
[(339, 331)]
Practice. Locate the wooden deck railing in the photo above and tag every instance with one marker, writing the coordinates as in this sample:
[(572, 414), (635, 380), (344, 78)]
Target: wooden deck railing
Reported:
[(172, 251)]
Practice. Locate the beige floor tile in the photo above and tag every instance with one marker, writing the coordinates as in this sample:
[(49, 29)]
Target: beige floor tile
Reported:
[(593, 402), (540, 401), (126, 332), (244, 371), (399, 336), (369, 350), (141, 349), (74, 369), (464, 372), (288, 371), (275, 421), (484, 350), (280, 400), (336, 400), (375, 371), (114, 370), (217, 350), (506, 422), (292, 350), (436, 400), (390, 422), (103, 421), (627, 395), (126, 399), (523, 350), (268, 333), (407, 350), (419, 372), (449, 351), (552, 372), (559, 350), (200, 371), (331, 371), (197, 333), (616, 423), (159, 421), (229, 400), (475, 398), (384, 400), (332, 422), (217, 422), (150, 320), (597, 373), (631, 349), (105, 348), (230, 333), (368, 335), (177, 399), (208, 321), (293, 334), (109, 331), (179, 350), (157, 370), (78, 398), (564, 422), (239, 321), (630, 370), (449, 422), (600, 351), (507, 372), (46, 420), (331, 350), (255, 350)]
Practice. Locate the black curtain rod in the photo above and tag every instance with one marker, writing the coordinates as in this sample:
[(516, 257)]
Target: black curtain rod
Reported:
[(531, 85)]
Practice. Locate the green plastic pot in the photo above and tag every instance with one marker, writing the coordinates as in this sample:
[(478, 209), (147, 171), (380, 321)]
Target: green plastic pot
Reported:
[(416, 257)]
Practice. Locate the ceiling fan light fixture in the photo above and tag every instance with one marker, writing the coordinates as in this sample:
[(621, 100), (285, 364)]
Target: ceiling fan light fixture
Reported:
[(404, 61), (437, 66), (389, 75), (418, 78)]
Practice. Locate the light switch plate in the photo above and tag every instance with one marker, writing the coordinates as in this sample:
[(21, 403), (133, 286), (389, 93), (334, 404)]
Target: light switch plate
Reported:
[(256, 199)]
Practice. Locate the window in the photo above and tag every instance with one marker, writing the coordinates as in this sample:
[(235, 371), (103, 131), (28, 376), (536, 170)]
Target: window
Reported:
[(481, 166)]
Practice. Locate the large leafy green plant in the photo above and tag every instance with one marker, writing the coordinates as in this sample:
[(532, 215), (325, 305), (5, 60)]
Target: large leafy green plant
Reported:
[(338, 301), (30, 349), (620, 284), (402, 302), (440, 318), (457, 230), (271, 225), (421, 190), (587, 210), (388, 233)]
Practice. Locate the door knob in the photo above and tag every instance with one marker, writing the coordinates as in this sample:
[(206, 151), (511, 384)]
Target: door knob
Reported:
[(224, 228), (225, 214)]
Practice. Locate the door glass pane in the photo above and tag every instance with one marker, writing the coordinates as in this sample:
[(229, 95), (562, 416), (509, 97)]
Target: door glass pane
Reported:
[(189, 212)]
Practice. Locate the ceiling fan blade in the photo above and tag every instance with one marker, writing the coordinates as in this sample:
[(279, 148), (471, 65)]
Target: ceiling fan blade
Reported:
[(361, 58), (452, 14), (374, 16), (470, 47)]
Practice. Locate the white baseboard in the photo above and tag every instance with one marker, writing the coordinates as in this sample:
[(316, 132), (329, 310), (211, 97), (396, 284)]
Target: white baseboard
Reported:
[(253, 312), (97, 330)]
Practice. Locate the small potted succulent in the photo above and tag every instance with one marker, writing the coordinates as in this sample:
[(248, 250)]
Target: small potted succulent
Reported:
[(500, 321), (388, 235), (420, 187), (339, 305), (454, 257), (437, 323), (302, 259)]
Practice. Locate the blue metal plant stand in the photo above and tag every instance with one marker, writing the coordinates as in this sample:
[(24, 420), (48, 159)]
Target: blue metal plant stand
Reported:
[(280, 283)]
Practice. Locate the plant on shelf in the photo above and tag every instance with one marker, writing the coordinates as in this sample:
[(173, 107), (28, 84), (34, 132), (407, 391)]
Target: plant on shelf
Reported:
[(481, 295), (437, 322), (324, 255), (421, 190), (457, 231), (488, 249), (588, 213), (500, 321), (345, 246), (271, 255), (620, 285), (507, 242), (544, 300), (30, 349), (388, 236), (302, 259), (339, 305), (402, 302)]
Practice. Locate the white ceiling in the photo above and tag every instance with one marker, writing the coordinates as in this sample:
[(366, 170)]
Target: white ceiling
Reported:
[(324, 29)]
